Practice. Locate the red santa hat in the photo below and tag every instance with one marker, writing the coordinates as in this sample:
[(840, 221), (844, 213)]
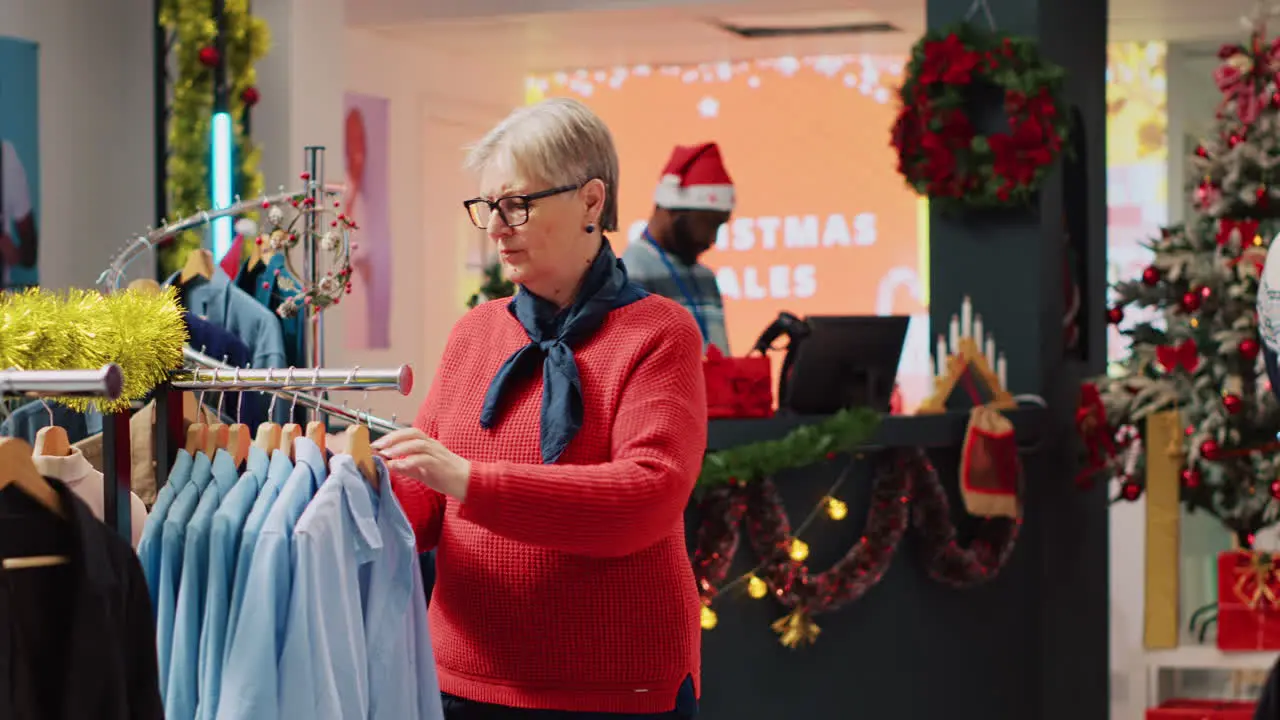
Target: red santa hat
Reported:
[(695, 179)]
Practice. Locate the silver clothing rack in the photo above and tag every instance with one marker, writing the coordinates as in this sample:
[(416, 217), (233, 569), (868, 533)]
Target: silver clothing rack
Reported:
[(106, 382), (114, 274), (290, 384)]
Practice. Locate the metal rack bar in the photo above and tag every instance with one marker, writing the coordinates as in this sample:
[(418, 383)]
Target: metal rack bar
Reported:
[(114, 274), (107, 382), (399, 379), (303, 378)]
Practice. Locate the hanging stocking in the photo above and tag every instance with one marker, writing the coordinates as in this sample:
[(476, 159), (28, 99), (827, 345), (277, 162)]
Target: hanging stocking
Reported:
[(989, 466)]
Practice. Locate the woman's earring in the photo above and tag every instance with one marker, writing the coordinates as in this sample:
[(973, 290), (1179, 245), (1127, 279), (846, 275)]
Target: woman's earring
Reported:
[(591, 228)]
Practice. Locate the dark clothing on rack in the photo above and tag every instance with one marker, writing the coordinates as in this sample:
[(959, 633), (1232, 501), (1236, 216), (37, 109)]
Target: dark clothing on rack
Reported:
[(76, 640), (456, 708), (220, 344)]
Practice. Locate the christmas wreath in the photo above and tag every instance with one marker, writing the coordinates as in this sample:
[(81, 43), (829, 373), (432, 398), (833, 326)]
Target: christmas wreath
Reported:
[(942, 154)]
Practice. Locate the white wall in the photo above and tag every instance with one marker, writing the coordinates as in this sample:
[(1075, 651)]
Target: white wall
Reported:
[(96, 121), (437, 105)]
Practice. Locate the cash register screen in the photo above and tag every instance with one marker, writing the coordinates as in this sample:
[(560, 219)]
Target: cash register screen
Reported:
[(845, 362)]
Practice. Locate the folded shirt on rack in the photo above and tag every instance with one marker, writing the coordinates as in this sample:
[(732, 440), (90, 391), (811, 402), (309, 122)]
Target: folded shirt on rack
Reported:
[(87, 483)]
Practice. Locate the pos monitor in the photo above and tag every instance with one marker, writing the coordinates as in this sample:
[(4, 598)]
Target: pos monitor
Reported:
[(844, 362)]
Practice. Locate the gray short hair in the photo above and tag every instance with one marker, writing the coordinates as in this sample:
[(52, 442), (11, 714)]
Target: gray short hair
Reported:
[(559, 142)]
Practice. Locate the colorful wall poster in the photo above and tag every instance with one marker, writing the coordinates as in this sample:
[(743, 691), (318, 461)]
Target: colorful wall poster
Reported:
[(366, 131), (19, 163)]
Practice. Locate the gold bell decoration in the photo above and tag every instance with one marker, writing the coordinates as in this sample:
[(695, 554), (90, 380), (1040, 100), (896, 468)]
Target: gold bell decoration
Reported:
[(796, 629)]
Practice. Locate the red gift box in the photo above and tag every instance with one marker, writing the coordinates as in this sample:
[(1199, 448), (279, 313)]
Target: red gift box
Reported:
[(1248, 601), (1203, 710), (738, 387)]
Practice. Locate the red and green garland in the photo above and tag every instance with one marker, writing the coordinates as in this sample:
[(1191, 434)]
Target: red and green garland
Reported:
[(941, 153), (908, 494)]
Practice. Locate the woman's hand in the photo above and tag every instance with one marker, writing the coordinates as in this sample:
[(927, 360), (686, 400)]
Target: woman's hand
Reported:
[(410, 453)]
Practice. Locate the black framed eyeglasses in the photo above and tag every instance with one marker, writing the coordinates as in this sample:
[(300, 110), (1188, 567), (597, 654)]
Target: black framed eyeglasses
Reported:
[(512, 209)]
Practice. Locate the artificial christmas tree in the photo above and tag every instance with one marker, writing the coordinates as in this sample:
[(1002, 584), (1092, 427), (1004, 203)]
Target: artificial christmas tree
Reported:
[(1200, 355)]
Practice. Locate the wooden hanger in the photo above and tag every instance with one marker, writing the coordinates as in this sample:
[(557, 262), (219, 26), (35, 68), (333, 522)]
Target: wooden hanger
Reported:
[(18, 469), (239, 438), (52, 441), (359, 449), (217, 438), (199, 264), (146, 285), (197, 431), (317, 433), (288, 434), (268, 437)]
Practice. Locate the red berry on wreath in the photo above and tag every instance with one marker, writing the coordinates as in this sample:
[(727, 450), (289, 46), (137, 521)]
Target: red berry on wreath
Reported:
[(1210, 450), (1115, 315), (209, 56), (1201, 151), (250, 96), (1190, 301), (1191, 478), (1261, 196), (1275, 489), (1151, 276), (1131, 490), (1249, 349), (1232, 403)]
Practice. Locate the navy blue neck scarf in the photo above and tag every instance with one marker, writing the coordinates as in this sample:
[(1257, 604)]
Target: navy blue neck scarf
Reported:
[(553, 333)]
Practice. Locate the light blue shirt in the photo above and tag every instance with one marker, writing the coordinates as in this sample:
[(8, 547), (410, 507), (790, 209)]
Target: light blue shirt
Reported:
[(278, 472), (172, 541), (250, 677), (224, 543), (357, 633), (184, 671), (149, 544)]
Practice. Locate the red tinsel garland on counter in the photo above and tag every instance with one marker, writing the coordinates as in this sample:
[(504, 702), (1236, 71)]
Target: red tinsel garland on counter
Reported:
[(908, 493)]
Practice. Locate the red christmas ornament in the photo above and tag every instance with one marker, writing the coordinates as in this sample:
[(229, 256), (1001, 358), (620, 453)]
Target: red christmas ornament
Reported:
[(1131, 490), (1115, 315), (1275, 489), (1201, 151), (250, 96), (1190, 301), (1249, 349), (1233, 403), (1233, 141), (209, 56), (1151, 276), (1210, 450), (1191, 478), (1262, 196)]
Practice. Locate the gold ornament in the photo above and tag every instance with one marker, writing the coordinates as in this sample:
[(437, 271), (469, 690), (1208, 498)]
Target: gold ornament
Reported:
[(140, 331), (796, 629), (756, 587)]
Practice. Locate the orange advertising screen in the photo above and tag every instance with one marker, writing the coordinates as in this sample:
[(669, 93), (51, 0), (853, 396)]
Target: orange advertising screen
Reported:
[(824, 224)]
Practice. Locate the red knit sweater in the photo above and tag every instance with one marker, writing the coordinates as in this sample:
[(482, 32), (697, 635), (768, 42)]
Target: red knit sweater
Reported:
[(568, 586)]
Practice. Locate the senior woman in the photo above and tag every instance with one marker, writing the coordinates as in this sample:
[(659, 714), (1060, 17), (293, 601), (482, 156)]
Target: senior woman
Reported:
[(552, 459)]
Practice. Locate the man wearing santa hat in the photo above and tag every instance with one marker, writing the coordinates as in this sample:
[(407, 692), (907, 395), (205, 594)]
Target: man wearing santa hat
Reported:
[(694, 198)]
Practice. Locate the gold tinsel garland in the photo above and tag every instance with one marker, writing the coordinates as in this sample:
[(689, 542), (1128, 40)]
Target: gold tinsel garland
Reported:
[(140, 331), (192, 27)]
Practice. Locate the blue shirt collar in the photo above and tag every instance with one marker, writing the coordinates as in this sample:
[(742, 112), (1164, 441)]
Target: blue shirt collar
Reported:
[(360, 506), (258, 463), (308, 453)]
